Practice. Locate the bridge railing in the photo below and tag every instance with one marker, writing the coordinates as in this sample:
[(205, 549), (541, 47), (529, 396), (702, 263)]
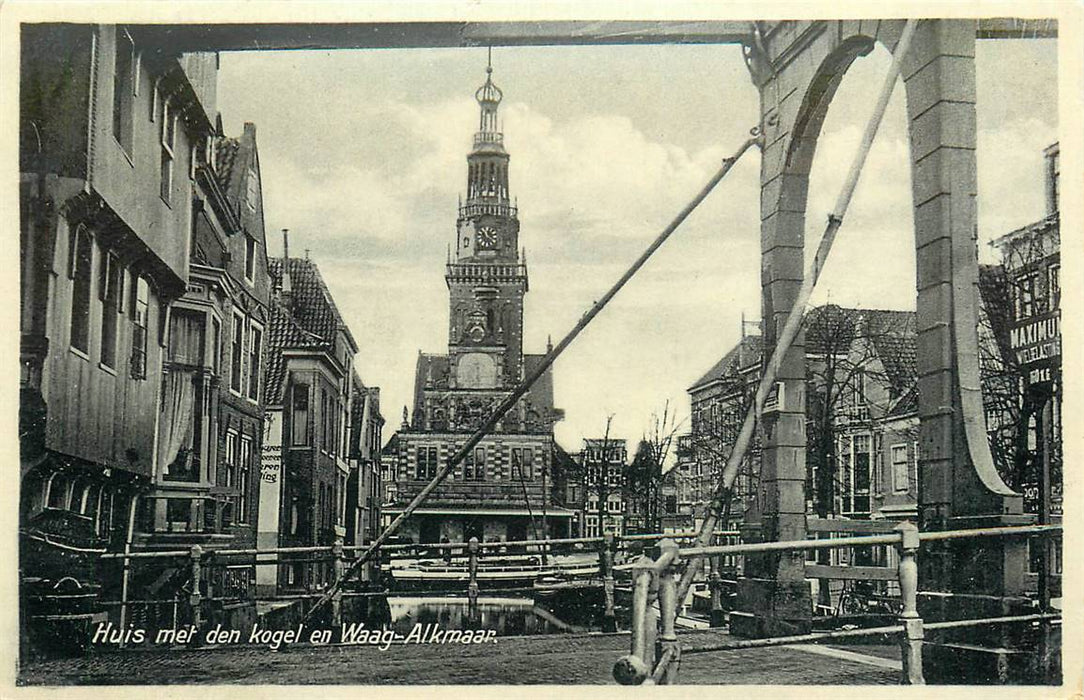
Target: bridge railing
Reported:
[(199, 562), (655, 650)]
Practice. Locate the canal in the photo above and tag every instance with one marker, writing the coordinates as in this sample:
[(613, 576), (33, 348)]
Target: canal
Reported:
[(509, 615)]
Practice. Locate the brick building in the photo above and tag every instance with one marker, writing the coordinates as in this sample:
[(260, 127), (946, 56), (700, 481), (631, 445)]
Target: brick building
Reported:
[(211, 413), (503, 487), (603, 463), (309, 389)]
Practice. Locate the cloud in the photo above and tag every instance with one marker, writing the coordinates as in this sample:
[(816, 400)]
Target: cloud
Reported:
[(364, 156)]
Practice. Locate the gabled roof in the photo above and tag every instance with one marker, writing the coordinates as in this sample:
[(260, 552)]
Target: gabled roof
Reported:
[(747, 352), (311, 304), (226, 169), (832, 328), (306, 319)]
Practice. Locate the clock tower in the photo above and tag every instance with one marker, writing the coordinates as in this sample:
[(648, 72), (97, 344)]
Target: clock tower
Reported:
[(503, 489), (486, 278)]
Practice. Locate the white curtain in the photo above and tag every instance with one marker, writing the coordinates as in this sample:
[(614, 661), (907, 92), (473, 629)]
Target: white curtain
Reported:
[(177, 411)]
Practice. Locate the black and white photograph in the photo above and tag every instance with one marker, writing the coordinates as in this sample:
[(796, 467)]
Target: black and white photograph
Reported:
[(487, 345)]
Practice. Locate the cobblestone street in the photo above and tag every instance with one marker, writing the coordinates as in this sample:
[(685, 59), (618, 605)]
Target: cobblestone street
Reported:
[(571, 659)]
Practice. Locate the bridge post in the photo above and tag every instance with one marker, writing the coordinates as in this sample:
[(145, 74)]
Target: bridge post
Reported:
[(912, 634), (715, 585), (337, 598), (195, 599), (636, 667), (668, 644), (606, 571), (472, 572)]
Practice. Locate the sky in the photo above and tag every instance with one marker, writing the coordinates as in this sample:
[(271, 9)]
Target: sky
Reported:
[(363, 158)]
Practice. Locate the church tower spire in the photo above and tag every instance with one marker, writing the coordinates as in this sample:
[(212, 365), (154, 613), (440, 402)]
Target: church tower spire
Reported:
[(486, 276), (487, 164)]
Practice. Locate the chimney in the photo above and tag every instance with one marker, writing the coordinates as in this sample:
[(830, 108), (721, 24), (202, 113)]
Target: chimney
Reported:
[(287, 287), (1052, 153)]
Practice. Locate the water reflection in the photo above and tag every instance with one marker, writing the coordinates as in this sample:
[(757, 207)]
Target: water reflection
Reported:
[(509, 616)]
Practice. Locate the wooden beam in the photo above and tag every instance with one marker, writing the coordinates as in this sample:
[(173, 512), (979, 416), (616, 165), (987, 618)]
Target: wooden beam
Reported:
[(181, 38), (864, 527), (850, 573), (406, 35)]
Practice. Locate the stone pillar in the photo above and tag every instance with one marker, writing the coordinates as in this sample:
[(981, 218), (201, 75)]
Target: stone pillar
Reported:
[(959, 487)]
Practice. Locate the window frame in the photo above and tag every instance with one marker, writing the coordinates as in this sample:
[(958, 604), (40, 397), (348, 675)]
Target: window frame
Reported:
[(81, 272), (168, 144), (125, 88), (894, 466), (110, 292), (237, 354), (300, 391), (255, 360), (250, 259), (141, 318), (244, 471)]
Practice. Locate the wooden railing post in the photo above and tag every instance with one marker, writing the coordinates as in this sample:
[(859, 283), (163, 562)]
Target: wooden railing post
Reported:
[(912, 634), (195, 599), (669, 650), (337, 598), (715, 586), (606, 570), (635, 668), (472, 571)]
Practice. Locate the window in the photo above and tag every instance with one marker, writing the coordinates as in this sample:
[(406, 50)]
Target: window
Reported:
[(79, 271), (1025, 296), (243, 471), (1053, 274), (124, 81), (427, 463), (299, 417), (169, 135), (255, 347), (140, 321), (231, 458), (237, 352), (475, 469), (523, 464), (216, 344), (250, 259), (325, 410), (856, 498), (528, 463), (900, 477), (109, 282)]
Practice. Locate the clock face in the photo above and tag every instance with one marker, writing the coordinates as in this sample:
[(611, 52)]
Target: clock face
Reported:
[(487, 237)]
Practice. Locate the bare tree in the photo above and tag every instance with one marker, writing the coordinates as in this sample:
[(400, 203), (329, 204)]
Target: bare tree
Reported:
[(644, 481), (1008, 413), (859, 364)]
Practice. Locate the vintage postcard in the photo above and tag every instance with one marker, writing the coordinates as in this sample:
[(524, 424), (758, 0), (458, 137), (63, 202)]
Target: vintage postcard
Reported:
[(469, 344)]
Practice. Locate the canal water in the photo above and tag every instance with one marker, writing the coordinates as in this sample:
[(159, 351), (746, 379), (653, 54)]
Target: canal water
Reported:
[(508, 616)]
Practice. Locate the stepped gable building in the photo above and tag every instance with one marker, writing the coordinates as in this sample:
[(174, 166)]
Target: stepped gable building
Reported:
[(500, 490)]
